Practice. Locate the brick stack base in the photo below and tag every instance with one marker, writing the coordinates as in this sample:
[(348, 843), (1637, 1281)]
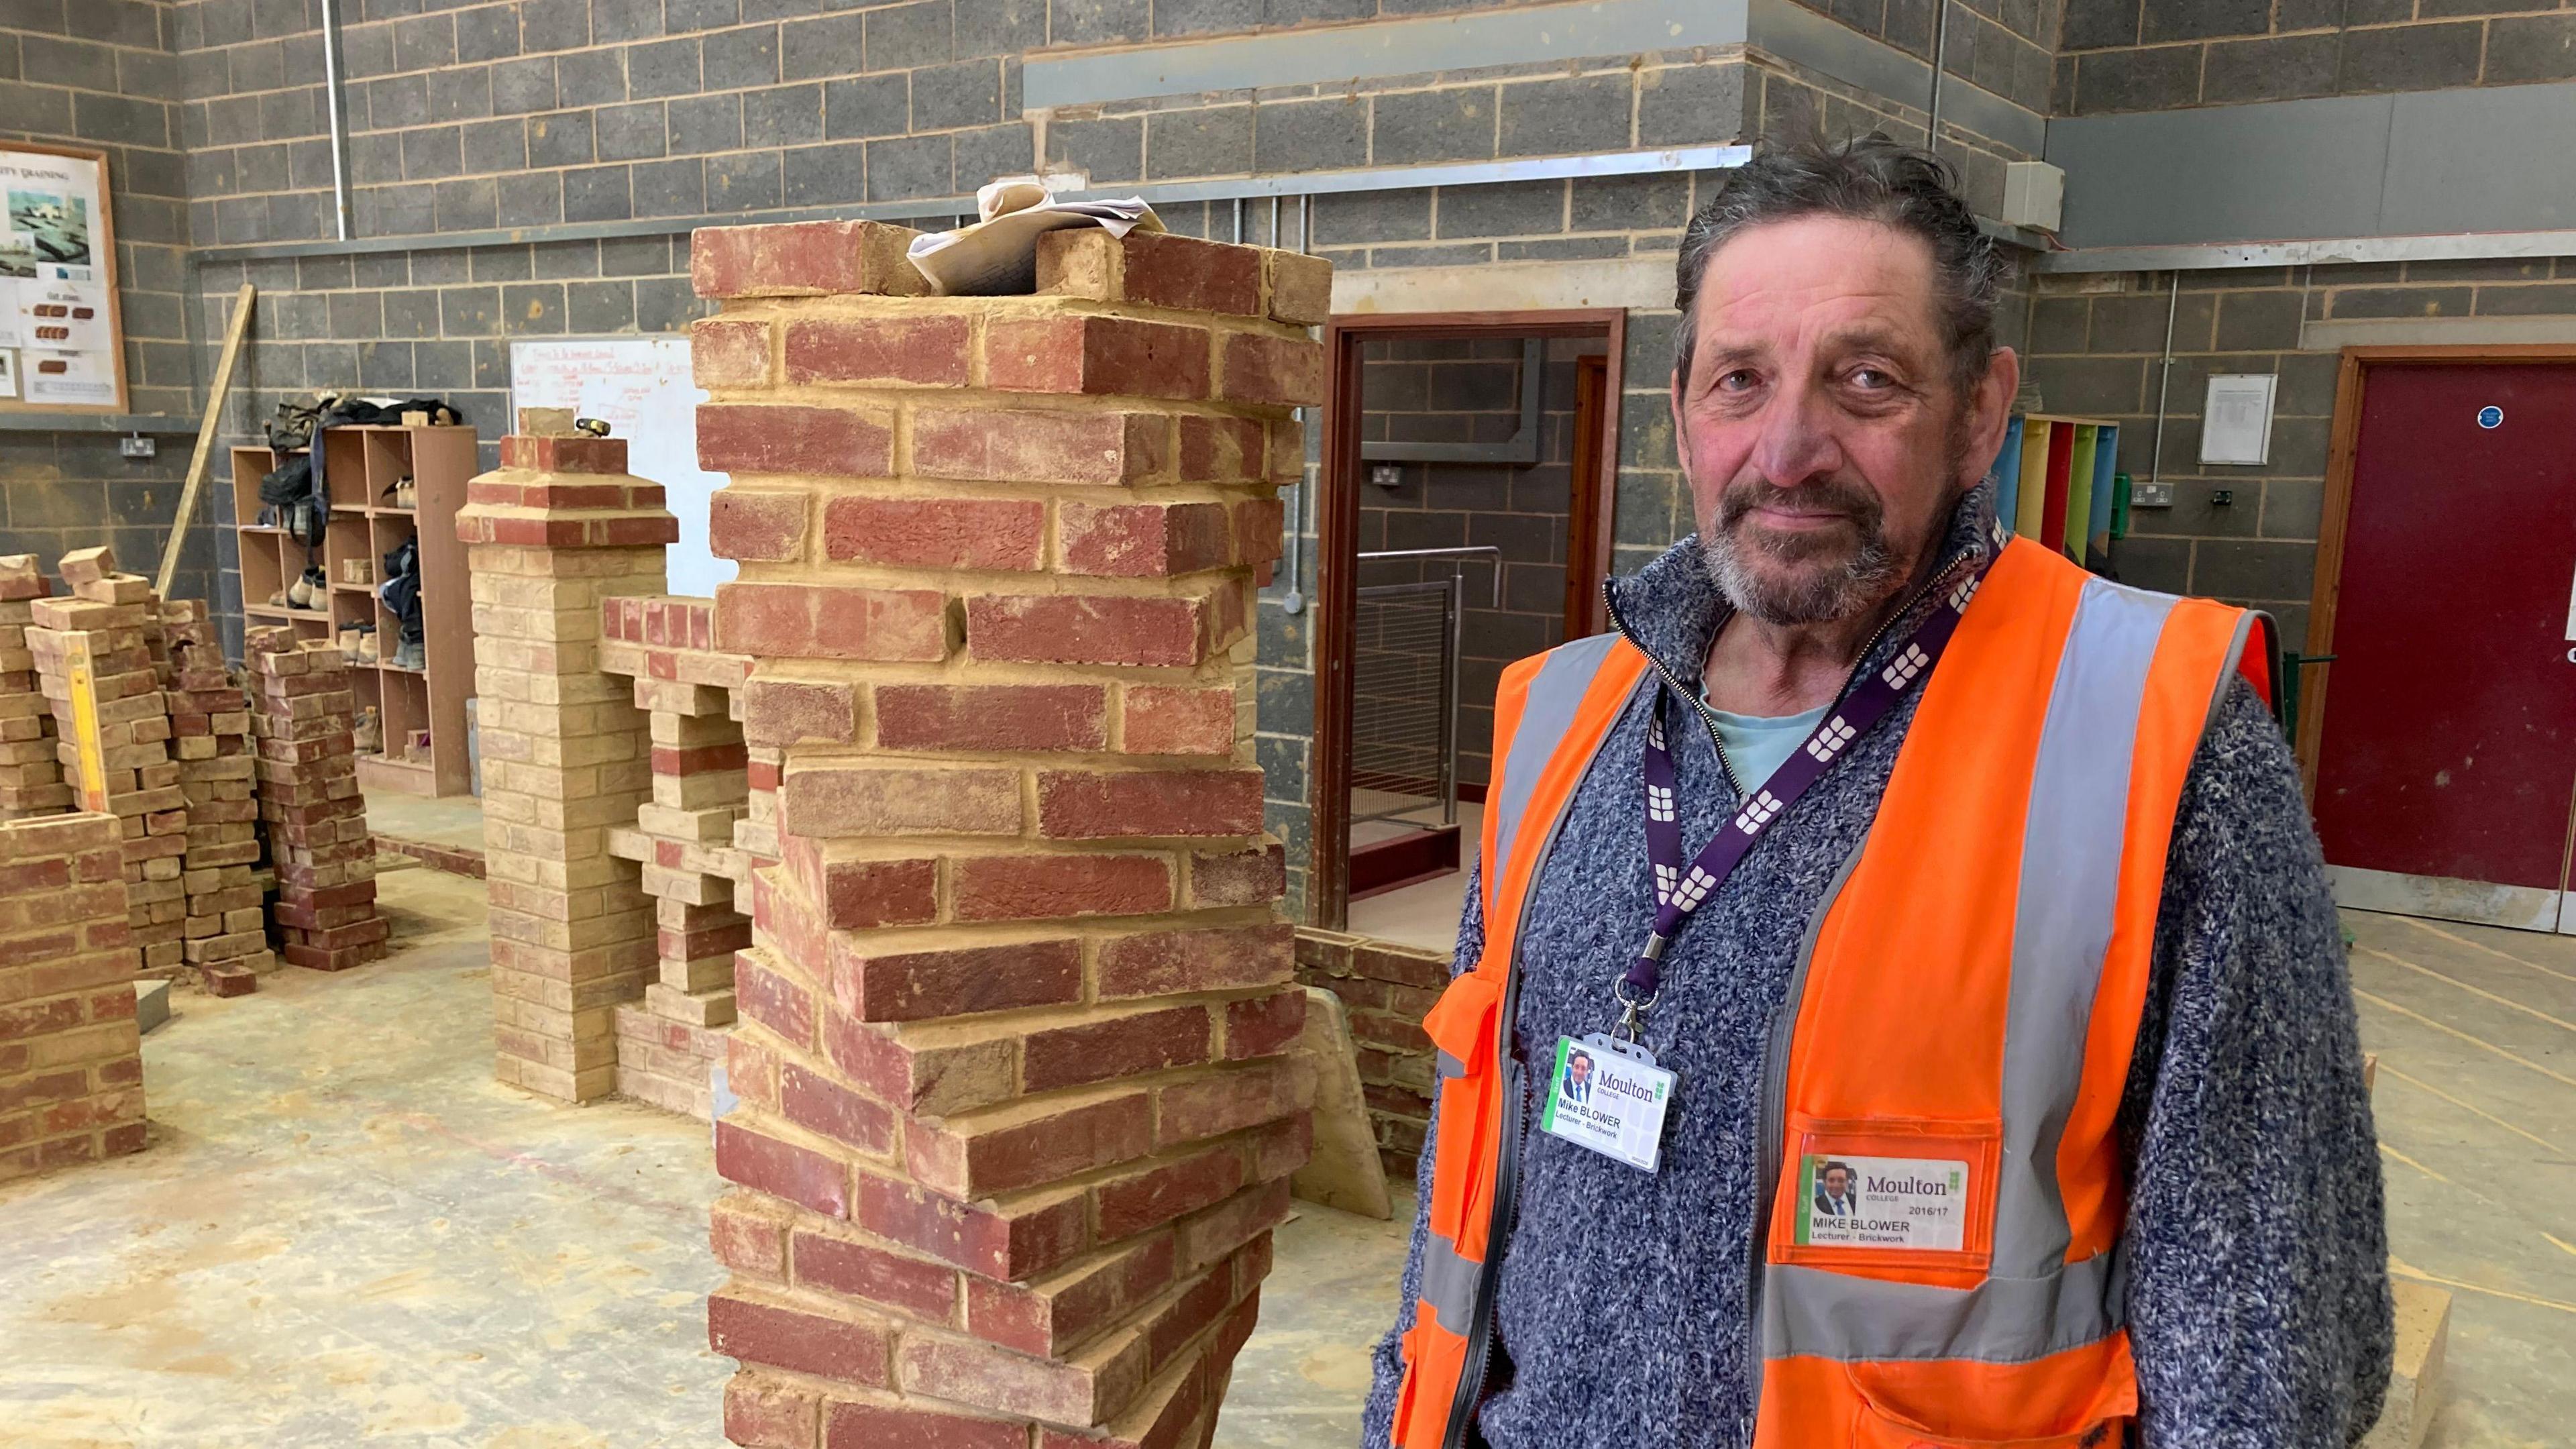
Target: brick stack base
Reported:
[(683, 842), (1386, 990), (31, 779), (118, 761), (71, 1062), (227, 932), (1018, 1108), (308, 796), (558, 528)]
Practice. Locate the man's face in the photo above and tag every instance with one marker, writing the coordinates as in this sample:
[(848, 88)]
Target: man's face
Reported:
[(1820, 429), (1837, 1182), (1581, 1070)]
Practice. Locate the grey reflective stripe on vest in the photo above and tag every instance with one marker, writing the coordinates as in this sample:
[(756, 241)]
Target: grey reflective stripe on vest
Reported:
[(2035, 1303), (1555, 692), (1449, 1282)]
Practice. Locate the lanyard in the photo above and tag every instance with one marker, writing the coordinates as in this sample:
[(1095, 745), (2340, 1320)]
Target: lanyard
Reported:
[(1680, 890)]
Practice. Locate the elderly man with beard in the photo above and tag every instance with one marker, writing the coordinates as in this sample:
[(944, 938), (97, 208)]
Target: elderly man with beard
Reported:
[(1873, 837)]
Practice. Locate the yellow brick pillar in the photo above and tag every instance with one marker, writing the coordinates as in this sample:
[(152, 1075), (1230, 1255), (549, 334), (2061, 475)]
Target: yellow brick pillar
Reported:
[(567, 757)]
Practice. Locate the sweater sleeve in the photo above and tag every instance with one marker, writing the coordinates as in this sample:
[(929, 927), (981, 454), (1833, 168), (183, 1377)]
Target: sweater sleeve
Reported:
[(1377, 1418), (2258, 1298)]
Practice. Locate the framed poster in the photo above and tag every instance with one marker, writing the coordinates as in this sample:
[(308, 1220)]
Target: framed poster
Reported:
[(62, 341)]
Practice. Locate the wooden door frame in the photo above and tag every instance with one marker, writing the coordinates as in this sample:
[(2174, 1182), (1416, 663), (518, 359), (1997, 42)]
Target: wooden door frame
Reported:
[(1336, 598), (2351, 378)]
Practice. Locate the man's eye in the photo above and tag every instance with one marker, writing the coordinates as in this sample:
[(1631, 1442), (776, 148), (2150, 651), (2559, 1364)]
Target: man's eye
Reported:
[(1870, 379), (1736, 381)]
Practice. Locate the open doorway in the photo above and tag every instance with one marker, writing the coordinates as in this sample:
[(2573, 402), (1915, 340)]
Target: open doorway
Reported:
[(1466, 489)]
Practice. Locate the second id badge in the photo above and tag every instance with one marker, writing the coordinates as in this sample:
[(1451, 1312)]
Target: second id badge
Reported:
[(1608, 1096)]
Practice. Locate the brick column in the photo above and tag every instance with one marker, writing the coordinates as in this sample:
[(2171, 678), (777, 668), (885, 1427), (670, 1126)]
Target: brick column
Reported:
[(71, 1063), (566, 754), (31, 779), (1017, 1106), (308, 794)]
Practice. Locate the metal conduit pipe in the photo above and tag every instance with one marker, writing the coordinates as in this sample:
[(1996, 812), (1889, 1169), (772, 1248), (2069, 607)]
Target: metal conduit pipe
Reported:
[(2164, 376), (1294, 600), (1940, 48), (335, 75)]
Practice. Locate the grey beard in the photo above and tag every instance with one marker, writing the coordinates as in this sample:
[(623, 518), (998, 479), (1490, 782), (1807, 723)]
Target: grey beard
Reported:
[(1814, 598)]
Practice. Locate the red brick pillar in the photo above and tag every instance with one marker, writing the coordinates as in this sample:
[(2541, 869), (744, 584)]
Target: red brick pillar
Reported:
[(308, 789), (71, 1063), (1016, 1111), (566, 754)]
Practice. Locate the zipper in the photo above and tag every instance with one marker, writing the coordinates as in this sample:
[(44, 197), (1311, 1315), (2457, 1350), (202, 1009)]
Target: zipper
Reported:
[(1504, 1217), (1708, 717)]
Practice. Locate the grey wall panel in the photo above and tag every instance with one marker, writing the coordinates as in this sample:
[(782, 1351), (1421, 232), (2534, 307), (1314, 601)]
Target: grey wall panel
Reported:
[(2500, 158), (1820, 43), (1382, 48), (2224, 173)]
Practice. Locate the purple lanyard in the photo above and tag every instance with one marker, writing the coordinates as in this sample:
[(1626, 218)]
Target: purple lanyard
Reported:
[(1680, 890)]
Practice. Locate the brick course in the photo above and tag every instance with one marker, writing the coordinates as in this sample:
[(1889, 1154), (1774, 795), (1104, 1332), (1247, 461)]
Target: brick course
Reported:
[(980, 1021), (71, 1062)]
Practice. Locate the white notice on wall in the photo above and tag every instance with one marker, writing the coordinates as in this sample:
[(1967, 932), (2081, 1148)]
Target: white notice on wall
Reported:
[(82, 379), (642, 388), (2236, 421)]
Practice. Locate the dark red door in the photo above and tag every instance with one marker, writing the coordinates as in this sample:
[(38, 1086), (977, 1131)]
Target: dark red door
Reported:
[(2447, 767)]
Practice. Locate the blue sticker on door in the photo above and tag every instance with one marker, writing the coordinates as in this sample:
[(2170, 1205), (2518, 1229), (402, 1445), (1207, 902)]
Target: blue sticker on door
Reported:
[(2490, 416)]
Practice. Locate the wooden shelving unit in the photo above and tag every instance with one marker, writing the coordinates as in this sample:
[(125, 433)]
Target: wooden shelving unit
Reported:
[(360, 467)]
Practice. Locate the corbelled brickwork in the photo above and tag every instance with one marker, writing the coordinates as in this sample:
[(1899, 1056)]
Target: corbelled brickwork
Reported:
[(557, 528), (685, 843), (1016, 1111), (308, 795), (71, 1062)]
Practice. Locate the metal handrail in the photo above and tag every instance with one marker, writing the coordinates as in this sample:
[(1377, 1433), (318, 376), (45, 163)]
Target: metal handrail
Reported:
[(1454, 588)]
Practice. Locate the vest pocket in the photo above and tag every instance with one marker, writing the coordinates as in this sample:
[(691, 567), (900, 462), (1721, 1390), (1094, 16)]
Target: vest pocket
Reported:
[(1913, 1195), (1877, 1430), (2083, 1399), (1461, 1026)]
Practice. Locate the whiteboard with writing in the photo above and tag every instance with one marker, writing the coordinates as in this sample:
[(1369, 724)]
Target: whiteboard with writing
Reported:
[(641, 387)]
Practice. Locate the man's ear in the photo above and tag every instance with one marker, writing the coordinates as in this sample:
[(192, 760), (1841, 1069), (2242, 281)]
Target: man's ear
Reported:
[(1989, 414)]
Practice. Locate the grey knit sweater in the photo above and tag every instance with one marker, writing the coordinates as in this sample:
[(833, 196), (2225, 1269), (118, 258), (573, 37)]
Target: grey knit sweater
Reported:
[(2258, 1293)]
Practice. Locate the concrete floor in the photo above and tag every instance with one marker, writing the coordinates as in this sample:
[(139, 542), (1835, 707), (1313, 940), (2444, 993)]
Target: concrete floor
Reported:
[(452, 820), (345, 1232), (1425, 913), (2476, 1034)]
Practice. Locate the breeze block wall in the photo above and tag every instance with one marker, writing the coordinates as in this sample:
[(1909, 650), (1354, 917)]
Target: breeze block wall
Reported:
[(567, 756), (1017, 1113)]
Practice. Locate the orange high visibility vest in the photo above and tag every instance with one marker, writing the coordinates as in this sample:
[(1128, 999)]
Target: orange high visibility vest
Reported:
[(2014, 868)]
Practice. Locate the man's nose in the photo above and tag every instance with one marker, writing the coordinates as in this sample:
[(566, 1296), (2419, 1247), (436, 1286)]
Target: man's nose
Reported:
[(1797, 441)]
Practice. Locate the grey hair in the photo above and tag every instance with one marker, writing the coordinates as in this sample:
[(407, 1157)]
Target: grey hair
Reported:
[(1869, 178)]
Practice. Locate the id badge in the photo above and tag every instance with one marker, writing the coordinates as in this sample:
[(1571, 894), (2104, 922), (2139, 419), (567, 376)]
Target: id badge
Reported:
[(1609, 1096)]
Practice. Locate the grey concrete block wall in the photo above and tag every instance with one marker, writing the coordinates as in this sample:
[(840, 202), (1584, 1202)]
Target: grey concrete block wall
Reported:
[(2096, 346), (2155, 55), (104, 75)]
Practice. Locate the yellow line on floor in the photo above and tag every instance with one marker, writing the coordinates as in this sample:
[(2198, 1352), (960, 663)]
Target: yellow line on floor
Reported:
[(2407, 1270), (2411, 1162), (2483, 1045), (2430, 928), (2555, 1242), (2424, 1086), (2560, 1022)]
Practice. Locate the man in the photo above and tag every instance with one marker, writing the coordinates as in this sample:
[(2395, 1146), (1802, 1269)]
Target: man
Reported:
[(2003, 882), (1833, 1193), (1578, 1078)]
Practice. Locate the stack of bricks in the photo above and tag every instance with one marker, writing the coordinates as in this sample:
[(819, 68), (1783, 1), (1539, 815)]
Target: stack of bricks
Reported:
[(1386, 990), (683, 841), (31, 779), (71, 1062), (113, 731), (303, 719), (557, 529), (227, 932), (1018, 1103)]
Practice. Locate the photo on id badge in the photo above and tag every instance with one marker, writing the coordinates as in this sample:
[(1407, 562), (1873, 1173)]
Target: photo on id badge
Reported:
[(1883, 1202)]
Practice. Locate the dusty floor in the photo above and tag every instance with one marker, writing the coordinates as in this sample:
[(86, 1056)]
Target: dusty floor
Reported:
[(2476, 1034), (344, 1232), (453, 820)]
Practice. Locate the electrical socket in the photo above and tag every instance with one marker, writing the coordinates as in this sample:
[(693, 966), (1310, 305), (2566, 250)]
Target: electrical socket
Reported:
[(138, 446), (2151, 495), (1387, 475)]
